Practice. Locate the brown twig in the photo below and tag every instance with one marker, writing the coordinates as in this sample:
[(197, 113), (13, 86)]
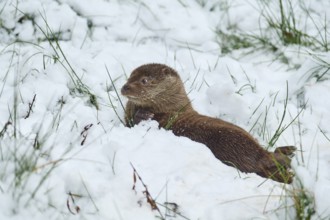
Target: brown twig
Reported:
[(85, 132), (30, 107), (174, 208), (149, 198), (2, 132), (76, 207)]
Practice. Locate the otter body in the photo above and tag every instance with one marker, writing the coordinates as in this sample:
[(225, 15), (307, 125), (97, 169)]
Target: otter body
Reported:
[(155, 91)]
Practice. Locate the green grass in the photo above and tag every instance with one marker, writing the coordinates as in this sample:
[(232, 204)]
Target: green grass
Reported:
[(282, 127), (282, 30), (22, 155), (297, 196), (118, 97), (53, 39), (304, 202), (59, 56), (321, 71), (284, 26), (233, 41)]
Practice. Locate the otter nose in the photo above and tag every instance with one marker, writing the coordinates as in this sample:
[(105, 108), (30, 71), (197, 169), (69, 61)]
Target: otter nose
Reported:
[(125, 89)]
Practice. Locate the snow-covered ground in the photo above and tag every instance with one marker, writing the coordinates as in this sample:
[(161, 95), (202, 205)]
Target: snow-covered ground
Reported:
[(64, 157)]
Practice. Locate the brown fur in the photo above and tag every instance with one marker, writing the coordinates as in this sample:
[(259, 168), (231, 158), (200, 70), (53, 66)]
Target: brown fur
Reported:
[(155, 91)]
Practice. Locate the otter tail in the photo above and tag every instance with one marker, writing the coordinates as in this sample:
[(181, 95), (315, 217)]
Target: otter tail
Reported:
[(279, 169)]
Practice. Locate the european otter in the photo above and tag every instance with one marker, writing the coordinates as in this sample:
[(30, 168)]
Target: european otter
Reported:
[(155, 91)]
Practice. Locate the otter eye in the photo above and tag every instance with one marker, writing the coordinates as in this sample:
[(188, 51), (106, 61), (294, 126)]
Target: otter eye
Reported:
[(144, 81)]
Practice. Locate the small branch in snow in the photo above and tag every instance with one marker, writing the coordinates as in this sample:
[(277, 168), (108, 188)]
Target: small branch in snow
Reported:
[(85, 132), (4, 129), (76, 208), (149, 198), (30, 107)]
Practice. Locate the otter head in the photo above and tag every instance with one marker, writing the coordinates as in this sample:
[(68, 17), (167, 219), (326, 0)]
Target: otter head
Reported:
[(153, 84)]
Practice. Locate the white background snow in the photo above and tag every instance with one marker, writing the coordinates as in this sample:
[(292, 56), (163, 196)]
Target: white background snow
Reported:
[(44, 165)]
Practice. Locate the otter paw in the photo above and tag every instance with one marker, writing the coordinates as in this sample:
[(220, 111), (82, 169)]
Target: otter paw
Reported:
[(286, 150), (283, 175), (142, 115)]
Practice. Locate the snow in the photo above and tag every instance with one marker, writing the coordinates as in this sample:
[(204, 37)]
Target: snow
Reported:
[(74, 155)]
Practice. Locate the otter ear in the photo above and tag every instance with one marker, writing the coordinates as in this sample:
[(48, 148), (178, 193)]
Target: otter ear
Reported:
[(166, 71)]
